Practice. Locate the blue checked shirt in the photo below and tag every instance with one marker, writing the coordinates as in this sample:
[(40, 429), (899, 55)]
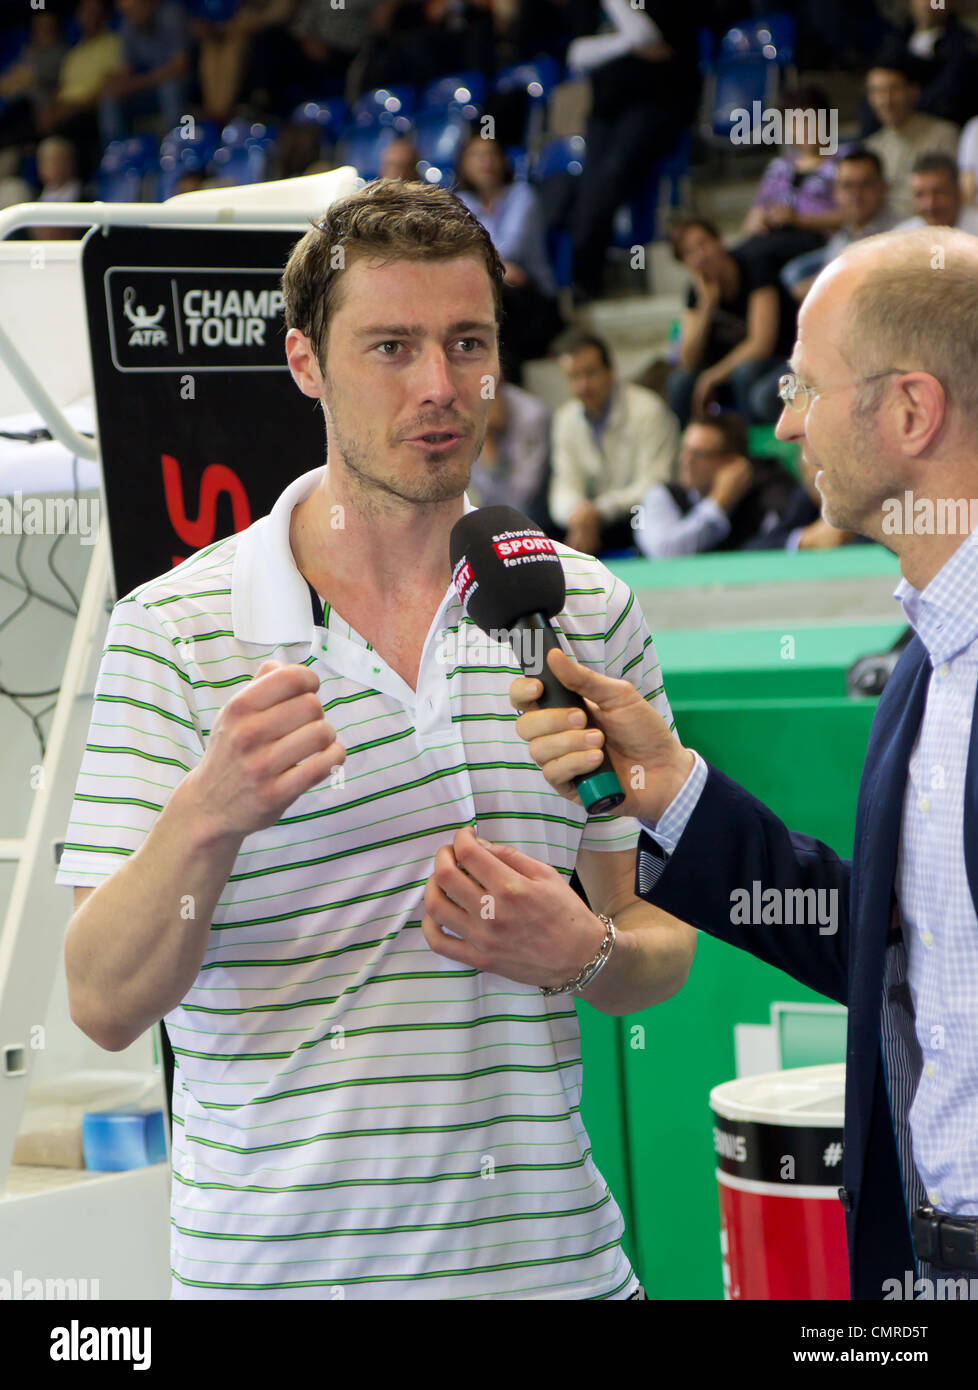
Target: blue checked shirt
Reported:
[(940, 929)]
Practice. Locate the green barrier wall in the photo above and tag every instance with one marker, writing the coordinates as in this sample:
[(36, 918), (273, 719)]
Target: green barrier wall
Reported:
[(747, 663)]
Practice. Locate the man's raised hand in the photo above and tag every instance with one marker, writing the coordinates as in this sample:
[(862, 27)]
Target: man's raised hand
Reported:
[(270, 743)]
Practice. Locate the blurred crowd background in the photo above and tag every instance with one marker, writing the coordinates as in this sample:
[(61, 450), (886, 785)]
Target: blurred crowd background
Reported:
[(660, 213)]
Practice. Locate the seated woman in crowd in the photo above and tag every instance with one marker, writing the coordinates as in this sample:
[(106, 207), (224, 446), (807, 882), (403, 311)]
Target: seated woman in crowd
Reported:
[(738, 329), (795, 208), (510, 212)]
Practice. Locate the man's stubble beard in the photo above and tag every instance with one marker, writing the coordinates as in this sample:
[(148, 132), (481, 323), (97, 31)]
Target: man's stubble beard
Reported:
[(436, 480), (862, 447)]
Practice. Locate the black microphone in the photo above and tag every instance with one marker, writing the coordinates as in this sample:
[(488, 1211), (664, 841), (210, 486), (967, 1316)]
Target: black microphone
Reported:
[(510, 582)]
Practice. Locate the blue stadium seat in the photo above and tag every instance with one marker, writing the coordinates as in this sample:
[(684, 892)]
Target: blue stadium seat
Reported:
[(202, 136), (242, 155), (564, 154), (519, 158), (463, 92), (241, 131), (706, 46), (330, 115), (536, 80), (385, 106), (174, 164), (636, 222), (771, 37), (738, 83), (237, 164), (216, 11), (439, 136), (123, 169), (363, 146), (182, 151), (12, 44)]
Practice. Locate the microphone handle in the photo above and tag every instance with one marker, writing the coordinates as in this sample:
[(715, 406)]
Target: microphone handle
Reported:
[(533, 637)]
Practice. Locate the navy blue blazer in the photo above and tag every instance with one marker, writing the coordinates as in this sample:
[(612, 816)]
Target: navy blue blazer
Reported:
[(731, 841)]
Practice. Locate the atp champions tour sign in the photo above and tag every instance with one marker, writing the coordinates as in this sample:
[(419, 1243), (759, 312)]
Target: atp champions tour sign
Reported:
[(200, 423)]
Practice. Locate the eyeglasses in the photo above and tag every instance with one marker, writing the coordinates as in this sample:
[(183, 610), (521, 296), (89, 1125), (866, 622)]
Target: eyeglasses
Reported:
[(793, 391)]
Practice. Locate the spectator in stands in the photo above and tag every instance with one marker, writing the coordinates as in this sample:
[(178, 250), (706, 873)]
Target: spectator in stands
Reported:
[(511, 470), (330, 37), (58, 177), (892, 91), (30, 82), (946, 56), (610, 444), (13, 189), (968, 162), (738, 329), (298, 149), (84, 68), (801, 526), (414, 41), (153, 77), (937, 196), (645, 90), (795, 206), (72, 111), (510, 212), (723, 499), (399, 160), (190, 182), (225, 49), (861, 192)]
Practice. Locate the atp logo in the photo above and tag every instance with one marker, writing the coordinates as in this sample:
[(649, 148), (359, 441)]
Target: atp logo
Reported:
[(146, 331)]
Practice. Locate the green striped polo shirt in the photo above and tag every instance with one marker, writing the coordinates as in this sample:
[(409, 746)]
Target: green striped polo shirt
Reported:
[(355, 1116)]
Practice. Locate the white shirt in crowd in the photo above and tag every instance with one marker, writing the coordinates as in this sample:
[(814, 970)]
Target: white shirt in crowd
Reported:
[(638, 448)]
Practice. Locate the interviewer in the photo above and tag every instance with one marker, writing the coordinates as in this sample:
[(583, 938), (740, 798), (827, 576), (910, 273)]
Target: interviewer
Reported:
[(884, 400)]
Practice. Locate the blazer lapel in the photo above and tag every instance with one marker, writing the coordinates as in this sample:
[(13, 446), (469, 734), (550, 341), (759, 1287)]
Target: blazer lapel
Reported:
[(878, 821)]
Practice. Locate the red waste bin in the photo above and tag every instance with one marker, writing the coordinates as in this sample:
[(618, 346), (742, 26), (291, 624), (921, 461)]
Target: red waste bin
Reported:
[(778, 1141)]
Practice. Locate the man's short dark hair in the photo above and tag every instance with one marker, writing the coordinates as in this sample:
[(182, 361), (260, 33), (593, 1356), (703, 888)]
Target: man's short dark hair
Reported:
[(731, 427), (891, 59), (934, 162), (682, 225), (805, 97), (575, 341), (386, 220), (862, 155)]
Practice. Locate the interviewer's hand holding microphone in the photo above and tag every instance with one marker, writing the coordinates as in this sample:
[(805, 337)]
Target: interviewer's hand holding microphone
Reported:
[(491, 906), (649, 763)]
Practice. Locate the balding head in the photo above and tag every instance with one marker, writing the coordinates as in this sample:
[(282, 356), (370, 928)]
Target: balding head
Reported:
[(887, 352), (906, 299)]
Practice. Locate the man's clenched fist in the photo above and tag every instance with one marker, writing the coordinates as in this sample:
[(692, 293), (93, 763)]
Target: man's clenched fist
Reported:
[(270, 743)]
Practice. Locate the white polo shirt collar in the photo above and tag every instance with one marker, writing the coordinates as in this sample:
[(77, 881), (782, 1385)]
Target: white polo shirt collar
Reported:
[(271, 604)]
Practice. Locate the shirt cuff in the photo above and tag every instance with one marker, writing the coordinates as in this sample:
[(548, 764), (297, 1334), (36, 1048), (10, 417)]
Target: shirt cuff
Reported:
[(667, 830), (717, 516)]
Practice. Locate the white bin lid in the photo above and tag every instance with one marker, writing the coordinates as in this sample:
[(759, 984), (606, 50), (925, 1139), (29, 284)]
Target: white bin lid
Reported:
[(811, 1096)]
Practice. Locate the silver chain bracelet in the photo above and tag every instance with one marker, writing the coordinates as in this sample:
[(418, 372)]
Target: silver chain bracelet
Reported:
[(593, 967)]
